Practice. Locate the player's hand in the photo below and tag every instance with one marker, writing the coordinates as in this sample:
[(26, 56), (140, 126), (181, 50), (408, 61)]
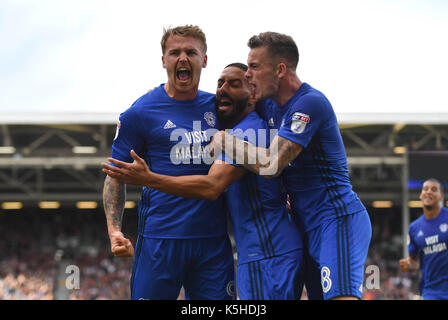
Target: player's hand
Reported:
[(216, 145), (405, 263), (136, 173), (120, 246), (409, 264)]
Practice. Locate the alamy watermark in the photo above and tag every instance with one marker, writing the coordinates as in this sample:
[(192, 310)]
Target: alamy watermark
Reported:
[(72, 280), (193, 147), (371, 281), (372, 277)]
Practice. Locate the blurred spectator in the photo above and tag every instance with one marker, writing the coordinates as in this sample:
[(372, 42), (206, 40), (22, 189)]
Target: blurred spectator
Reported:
[(29, 241), (385, 248)]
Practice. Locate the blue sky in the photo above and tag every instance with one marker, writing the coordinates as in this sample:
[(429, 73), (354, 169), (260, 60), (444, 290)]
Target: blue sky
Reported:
[(100, 56)]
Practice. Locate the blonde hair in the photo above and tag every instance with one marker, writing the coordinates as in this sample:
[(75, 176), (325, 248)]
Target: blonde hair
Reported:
[(184, 31)]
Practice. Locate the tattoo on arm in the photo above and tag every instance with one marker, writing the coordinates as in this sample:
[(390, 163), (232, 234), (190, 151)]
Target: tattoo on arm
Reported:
[(266, 162), (287, 152), (114, 198)]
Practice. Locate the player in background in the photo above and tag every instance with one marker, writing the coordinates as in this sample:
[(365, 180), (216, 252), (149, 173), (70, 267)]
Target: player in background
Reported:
[(181, 241), (268, 243), (310, 153), (428, 241)]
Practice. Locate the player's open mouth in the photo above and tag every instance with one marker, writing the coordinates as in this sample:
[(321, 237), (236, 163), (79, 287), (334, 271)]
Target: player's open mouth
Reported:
[(427, 200), (183, 74), (253, 86), (224, 104)]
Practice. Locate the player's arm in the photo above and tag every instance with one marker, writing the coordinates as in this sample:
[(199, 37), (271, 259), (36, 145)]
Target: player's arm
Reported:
[(207, 187), (267, 162), (410, 263), (114, 198)]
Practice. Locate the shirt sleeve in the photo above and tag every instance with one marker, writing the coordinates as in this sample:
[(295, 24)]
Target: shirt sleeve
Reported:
[(128, 136), (412, 246), (304, 118), (265, 108)]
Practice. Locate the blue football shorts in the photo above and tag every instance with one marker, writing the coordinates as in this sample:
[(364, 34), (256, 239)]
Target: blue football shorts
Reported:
[(337, 251), (204, 267), (276, 278), (435, 296), (438, 291)]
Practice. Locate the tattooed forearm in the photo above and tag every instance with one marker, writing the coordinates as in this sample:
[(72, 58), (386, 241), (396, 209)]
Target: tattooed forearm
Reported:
[(287, 151), (266, 162), (114, 198)]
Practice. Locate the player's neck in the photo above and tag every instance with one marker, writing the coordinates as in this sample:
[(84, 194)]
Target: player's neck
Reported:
[(173, 93), (287, 88), (432, 212)]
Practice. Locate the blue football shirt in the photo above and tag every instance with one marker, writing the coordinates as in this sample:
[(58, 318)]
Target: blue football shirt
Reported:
[(317, 180), (428, 238), (271, 112), (172, 136), (260, 221)]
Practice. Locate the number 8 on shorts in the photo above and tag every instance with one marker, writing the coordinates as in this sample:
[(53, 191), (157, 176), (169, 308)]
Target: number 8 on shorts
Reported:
[(325, 279)]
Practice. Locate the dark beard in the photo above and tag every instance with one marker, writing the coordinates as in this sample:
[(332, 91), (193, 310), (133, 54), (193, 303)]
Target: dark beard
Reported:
[(239, 107), (430, 207)]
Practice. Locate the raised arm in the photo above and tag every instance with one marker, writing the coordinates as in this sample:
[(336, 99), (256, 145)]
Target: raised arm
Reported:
[(265, 162), (207, 187)]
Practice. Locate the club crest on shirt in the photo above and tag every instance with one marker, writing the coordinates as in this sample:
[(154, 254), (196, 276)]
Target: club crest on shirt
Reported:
[(210, 118), (443, 227), (299, 122), (118, 129)]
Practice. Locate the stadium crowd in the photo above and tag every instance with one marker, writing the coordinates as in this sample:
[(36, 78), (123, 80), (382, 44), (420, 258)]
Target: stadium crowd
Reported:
[(29, 242), (385, 250)]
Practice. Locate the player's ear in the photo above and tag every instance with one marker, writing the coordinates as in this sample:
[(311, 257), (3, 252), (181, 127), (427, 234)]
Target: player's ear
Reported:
[(204, 64), (281, 70), (163, 62)]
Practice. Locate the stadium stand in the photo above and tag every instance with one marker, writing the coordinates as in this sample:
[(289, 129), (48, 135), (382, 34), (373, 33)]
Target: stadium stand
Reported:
[(31, 241), (40, 163)]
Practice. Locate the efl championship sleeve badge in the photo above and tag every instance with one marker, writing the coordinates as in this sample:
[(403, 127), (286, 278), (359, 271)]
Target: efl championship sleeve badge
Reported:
[(299, 122)]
